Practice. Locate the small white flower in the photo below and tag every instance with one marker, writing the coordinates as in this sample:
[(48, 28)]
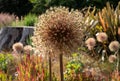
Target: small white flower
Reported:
[(16, 74)]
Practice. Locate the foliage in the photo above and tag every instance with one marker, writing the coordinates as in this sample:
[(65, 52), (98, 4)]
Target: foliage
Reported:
[(40, 6), (5, 77), (32, 68), (28, 20), (104, 28), (5, 59), (107, 22), (17, 7), (6, 19), (73, 68)]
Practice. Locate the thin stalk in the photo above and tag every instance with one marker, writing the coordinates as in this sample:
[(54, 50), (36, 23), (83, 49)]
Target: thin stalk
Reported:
[(50, 69), (61, 67), (118, 60)]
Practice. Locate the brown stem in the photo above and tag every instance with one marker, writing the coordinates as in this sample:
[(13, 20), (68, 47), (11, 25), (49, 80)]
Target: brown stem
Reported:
[(50, 69), (61, 67)]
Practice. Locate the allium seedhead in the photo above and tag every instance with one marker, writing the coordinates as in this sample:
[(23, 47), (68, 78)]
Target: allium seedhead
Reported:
[(114, 46), (112, 58), (90, 43), (17, 47), (28, 49), (101, 37), (58, 30)]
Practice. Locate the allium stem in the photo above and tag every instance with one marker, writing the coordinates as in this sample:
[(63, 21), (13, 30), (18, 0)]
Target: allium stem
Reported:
[(50, 69), (61, 68), (118, 60)]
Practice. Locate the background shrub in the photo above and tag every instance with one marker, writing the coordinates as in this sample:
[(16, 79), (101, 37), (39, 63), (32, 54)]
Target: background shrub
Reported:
[(28, 20), (6, 19), (17, 7), (40, 6), (5, 59)]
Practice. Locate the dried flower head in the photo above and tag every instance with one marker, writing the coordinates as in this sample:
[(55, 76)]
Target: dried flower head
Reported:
[(114, 46), (58, 30), (101, 37), (17, 47), (112, 58), (28, 49), (90, 43)]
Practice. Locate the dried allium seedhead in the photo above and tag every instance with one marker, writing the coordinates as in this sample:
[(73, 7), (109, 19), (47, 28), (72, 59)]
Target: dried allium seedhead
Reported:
[(90, 43), (112, 58), (101, 37), (17, 47), (28, 49), (59, 30), (114, 46)]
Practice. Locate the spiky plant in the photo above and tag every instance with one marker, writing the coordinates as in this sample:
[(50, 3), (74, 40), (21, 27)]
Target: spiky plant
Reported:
[(104, 26), (106, 21), (59, 31)]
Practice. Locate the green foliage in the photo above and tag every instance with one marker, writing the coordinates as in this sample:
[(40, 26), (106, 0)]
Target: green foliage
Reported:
[(28, 20), (5, 59), (73, 69), (17, 7), (40, 6), (5, 77), (29, 41)]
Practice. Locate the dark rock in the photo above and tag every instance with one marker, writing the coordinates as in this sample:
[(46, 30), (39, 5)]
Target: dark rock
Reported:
[(11, 35)]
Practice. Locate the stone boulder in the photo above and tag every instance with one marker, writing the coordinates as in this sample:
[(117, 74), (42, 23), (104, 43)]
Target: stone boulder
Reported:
[(11, 35)]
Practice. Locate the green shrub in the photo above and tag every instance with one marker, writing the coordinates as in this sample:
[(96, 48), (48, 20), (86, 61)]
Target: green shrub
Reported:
[(5, 59), (40, 6), (73, 69), (5, 77), (17, 7), (28, 20)]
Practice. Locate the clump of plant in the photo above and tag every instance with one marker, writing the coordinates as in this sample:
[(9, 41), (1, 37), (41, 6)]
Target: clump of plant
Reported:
[(103, 34), (102, 31), (74, 69), (6, 19), (5, 59), (32, 68), (28, 20), (4, 76)]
